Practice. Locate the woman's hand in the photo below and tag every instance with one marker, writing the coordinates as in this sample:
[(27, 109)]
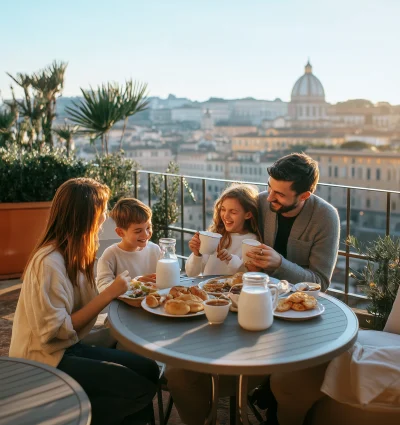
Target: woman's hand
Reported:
[(120, 285), (251, 267), (194, 244), (224, 255), (264, 257)]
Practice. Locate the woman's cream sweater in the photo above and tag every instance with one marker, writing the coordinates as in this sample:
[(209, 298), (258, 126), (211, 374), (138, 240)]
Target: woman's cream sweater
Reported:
[(42, 328)]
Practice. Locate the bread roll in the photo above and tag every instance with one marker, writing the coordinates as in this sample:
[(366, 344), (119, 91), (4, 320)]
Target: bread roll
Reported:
[(177, 291), (195, 306), (152, 301), (176, 307), (195, 290), (236, 278)]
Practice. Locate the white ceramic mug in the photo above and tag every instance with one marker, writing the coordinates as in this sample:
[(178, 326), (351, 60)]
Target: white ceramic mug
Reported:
[(216, 314), (248, 245), (209, 242)]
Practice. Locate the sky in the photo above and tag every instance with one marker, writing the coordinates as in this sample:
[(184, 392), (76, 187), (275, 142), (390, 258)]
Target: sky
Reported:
[(203, 48)]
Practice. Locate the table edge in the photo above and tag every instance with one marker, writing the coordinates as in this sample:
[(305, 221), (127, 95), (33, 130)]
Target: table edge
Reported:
[(143, 347), (86, 409)]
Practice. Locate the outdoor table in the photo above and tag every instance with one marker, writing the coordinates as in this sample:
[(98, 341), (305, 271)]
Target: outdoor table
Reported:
[(33, 393), (227, 349)]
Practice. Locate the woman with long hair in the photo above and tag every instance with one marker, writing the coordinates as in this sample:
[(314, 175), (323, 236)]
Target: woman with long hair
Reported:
[(59, 304)]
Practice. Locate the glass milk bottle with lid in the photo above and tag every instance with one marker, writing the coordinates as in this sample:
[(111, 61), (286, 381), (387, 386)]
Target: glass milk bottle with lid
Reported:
[(257, 302), (167, 270)]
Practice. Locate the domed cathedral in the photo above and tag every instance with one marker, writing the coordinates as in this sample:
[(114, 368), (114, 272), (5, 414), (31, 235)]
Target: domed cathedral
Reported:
[(307, 106)]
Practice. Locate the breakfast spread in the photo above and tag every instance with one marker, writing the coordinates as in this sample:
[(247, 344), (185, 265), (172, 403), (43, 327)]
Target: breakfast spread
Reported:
[(223, 285), (180, 300), (299, 301)]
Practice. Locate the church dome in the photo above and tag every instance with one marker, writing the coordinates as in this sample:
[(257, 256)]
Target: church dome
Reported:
[(308, 87)]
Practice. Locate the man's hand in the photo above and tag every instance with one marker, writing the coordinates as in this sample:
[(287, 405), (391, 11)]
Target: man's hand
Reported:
[(194, 244), (224, 255), (264, 257)]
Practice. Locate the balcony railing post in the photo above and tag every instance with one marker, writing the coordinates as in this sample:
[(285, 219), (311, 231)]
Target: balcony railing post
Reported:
[(204, 203), (346, 277), (166, 205), (182, 220), (388, 206), (136, 183), (149, 188)]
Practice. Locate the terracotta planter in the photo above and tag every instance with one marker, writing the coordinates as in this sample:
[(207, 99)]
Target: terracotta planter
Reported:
[(21, 225)]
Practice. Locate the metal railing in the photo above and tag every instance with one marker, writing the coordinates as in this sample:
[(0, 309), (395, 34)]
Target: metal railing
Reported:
[(183, 230)]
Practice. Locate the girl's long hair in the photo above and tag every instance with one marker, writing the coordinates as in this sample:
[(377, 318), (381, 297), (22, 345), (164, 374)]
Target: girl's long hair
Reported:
[(73, 225), (247, 196)]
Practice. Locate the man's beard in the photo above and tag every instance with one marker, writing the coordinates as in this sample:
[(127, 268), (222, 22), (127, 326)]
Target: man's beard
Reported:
[(284, 208)]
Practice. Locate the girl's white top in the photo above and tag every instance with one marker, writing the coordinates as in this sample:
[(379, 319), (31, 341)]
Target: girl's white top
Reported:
[(115, 261), (213, 265), (42, 328)]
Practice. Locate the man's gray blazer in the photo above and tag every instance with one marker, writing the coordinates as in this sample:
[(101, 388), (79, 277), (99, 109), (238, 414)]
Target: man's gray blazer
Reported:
[(313, 241)]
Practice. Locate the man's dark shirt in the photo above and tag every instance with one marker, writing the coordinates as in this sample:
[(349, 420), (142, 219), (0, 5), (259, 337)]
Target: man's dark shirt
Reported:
[(284, 227)]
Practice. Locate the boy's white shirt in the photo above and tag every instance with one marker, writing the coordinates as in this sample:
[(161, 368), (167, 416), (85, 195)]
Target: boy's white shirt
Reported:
[(214, 265), (115, 261)]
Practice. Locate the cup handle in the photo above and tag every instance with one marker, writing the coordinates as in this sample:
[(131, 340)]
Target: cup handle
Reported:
[(274, 292)]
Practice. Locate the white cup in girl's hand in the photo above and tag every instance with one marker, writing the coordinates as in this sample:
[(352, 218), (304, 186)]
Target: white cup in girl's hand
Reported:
[(208, 242), (248, 245)]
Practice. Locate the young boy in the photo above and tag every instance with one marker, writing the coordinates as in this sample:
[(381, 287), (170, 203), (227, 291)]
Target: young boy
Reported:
[(134, 253)]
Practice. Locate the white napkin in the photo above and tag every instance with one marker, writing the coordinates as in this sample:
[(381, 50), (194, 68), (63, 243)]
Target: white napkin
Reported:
[(393, 322), (363, 373)]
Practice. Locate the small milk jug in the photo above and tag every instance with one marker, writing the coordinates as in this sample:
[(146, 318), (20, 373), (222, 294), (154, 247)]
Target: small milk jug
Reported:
[(167, 270), (257, 302)]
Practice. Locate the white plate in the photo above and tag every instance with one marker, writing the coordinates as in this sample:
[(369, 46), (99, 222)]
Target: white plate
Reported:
[(160, 311), (222, 280), (300, 315)]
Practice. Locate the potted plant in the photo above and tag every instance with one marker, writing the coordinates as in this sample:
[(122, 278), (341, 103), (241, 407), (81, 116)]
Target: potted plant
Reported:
[(380, 278), (28, 182)]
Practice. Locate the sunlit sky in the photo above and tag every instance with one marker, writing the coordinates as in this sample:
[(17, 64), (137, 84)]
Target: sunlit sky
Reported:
[(203, 48)]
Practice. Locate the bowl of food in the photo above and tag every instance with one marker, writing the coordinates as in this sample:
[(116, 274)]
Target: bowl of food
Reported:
[(137, 291), (309, 288)]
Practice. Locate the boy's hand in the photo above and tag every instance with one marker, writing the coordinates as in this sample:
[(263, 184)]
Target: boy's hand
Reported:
[(120, 284), (224, 255), (194, 245)]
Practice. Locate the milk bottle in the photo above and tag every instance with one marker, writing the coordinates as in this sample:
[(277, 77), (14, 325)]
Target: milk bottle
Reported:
[(167, 270), (257, 302)]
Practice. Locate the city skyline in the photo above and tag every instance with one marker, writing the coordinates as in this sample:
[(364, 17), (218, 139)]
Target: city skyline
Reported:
[(210, 49)]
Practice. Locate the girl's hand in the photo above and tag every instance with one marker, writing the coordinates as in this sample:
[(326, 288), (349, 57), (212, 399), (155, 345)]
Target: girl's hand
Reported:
[(194, 245), (224, 255), (120, 284)]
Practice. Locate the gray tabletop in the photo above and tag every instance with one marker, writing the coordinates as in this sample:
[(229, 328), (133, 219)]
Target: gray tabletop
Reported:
[(192, 343), (33, 393)]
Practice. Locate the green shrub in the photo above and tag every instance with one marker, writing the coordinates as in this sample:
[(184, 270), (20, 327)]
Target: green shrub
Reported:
[(116, 172), (35, 176)]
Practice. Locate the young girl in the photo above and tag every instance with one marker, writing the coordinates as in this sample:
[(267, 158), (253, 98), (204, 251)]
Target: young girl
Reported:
[(59, 304), (236, 219)]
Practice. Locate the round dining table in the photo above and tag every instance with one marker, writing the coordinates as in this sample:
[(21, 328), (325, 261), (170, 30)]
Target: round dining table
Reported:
[(227, 349), (33, 393)]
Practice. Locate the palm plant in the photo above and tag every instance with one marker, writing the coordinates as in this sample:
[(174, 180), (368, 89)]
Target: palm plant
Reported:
[(134, 100), (97, 113), (38, 104), (66, 133), (48, 84), (8, 117)]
